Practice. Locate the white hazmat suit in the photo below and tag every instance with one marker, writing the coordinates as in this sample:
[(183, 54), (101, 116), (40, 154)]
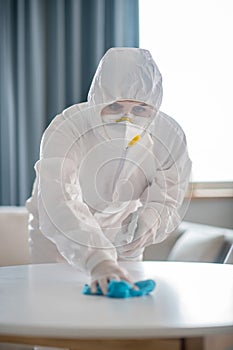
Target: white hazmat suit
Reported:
[(98, 196)]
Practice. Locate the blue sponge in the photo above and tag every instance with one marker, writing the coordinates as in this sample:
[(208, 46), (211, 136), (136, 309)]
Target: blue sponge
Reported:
[(123, 289)]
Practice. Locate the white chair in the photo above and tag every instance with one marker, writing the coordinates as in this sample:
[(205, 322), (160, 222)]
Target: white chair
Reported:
[(14, 247)]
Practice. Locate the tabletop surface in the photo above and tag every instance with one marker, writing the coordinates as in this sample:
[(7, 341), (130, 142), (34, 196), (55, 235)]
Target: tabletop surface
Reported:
[(190, 299)]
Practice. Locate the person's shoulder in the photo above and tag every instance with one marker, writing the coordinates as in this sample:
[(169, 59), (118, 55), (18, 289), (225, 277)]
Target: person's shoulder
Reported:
[(74, 109), (165, 118), (65, 123), (68, 113), (164, 122)]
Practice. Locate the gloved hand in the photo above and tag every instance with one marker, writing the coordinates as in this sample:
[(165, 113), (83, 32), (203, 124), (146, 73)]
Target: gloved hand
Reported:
[(106, 271)]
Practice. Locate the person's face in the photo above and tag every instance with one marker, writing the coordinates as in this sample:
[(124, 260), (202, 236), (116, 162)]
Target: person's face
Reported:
[(125, 110)]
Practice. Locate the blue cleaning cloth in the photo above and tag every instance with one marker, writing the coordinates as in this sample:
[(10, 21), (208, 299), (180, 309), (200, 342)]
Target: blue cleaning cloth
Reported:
[(123, 289)]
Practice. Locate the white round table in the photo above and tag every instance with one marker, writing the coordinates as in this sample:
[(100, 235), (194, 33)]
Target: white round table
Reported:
[(43, 304)]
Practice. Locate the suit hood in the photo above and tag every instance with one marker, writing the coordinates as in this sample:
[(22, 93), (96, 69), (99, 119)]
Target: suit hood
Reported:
[(126, 74)]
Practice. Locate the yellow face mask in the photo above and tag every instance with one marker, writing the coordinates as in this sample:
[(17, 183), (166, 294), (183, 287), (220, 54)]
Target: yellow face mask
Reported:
[(126, 120)]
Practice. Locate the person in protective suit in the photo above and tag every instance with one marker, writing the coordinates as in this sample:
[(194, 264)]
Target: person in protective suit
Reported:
[(112, 173)]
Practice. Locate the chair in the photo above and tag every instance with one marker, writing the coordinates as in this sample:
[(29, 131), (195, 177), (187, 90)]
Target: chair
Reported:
[(229, 257), (14, 247)]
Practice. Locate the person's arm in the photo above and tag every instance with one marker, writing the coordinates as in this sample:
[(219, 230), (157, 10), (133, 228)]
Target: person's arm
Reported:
[(64, 217), (162, 198)]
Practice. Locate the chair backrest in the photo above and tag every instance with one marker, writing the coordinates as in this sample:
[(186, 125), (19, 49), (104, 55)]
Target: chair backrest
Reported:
[(14, 247)]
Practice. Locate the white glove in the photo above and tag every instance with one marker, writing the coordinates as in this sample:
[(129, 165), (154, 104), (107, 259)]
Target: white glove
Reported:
[(104, 272)]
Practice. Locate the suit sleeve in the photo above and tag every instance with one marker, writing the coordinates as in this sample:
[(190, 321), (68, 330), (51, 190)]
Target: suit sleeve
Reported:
[(64, 217), (164, 195)]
